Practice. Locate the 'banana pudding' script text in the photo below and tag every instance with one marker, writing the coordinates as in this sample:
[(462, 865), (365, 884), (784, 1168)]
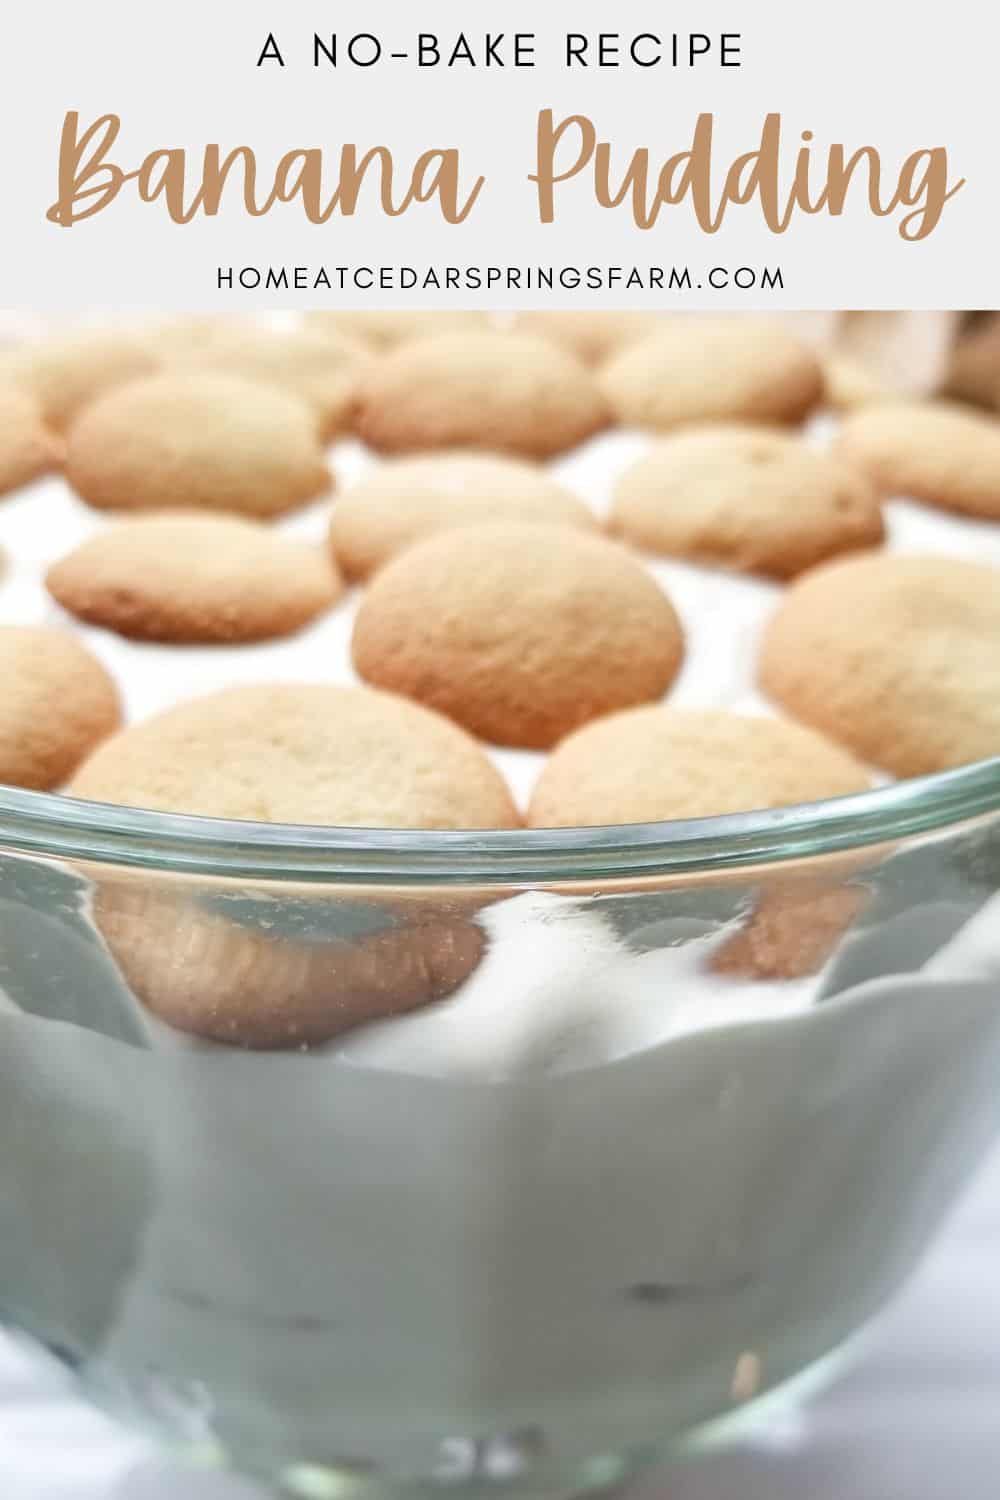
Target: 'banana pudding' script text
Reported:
[(781, 178)]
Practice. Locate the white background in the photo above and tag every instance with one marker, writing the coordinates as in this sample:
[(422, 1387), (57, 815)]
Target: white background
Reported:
[(889, 74)]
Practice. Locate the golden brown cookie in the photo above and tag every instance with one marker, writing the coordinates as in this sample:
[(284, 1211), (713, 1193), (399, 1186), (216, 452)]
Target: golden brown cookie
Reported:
[(793, 930), (197, 440), (404, 500), (65, 373), (386, 328), (302, 753), (322, 370), (519, 632), (257, 986), (656, 763), (28, 449), (591, 336), (748, 498), (934, 451), (896, 657), (973, 373), (186, 577), (501, 391), (57, 703), (696, 369)]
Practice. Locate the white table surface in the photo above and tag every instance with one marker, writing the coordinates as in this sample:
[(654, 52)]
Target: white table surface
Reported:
[(918, 1418)]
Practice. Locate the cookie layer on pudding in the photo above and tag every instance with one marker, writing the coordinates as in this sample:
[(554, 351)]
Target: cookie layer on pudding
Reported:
[(657, 763), (503, 392), (518, 632), (746, 498), (896, 657), (57, 704), (187, 577), (197, 440), (403, 501)]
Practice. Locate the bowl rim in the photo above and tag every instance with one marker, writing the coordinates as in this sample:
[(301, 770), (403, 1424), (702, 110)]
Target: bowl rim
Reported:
[(54, 826)]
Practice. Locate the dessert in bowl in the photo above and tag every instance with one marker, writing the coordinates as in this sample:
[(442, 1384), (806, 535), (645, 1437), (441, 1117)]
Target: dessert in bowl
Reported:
[(455, 1151), (617, 1184)]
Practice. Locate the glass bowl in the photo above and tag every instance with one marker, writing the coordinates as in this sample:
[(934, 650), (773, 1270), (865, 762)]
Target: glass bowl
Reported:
[(382, 1163)]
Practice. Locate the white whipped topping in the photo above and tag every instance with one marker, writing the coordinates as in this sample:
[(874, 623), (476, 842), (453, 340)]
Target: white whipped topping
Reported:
[(557, 989)]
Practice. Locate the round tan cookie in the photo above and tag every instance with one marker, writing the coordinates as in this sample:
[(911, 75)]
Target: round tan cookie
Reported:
[(695, 369), (897, 657), (656, 763), (197, 440), (65, 374), (745, 498), (591, 336), (501, 391), (322, 370), (402, 501), (302, 753), (793, 930), (224, 981), (519, 632), (185, 576), (383, 328), (932, 451), (57, 703), (27, 448)]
